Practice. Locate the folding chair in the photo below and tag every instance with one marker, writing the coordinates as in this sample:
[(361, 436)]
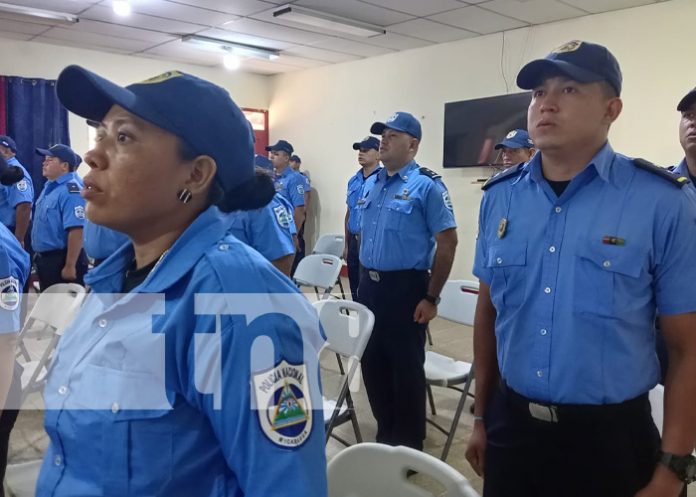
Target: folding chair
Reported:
[(55, 308), (319, 271), (371, 469), (458, 304), (348, 326), (332, 244)]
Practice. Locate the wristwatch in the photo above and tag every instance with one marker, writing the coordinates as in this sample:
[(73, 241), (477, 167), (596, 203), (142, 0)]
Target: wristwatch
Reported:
[(682, 466), (431, 299)]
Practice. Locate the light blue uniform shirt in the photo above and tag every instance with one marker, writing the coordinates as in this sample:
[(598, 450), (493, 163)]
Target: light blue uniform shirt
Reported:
[(268, 230), (682, 169), (14, 270), (576, 309), (358, 187), (307, 183), (100, 242), (290, 184), (11, 196), (400, 218), (151, 394), (58, 208)]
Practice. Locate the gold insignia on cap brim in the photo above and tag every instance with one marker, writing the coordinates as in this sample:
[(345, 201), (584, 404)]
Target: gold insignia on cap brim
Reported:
[(571, 46)]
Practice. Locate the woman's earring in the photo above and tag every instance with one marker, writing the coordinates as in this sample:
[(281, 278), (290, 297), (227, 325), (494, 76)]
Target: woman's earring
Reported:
[(184, 196)]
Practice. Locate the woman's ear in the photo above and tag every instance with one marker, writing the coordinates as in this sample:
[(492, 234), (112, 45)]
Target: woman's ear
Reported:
[(202, 174)]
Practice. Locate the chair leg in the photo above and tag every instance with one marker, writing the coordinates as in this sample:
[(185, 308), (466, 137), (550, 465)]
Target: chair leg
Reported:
[(458, 413), (340, 364), (431, 401), (354, 418), (430, 337)]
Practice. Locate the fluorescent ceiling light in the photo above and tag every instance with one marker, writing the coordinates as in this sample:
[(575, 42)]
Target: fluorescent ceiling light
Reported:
[(231, 47), (122, 7), (326, 21), (30, 14), (231, 61)]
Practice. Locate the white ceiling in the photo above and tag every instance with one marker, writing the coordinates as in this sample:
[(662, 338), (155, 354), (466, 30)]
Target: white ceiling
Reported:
[(155, 27)]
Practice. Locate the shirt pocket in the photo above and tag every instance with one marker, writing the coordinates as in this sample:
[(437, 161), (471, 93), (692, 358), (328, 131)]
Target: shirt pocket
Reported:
[(50, 210), (398, 212), (508, 262), (601, 270)]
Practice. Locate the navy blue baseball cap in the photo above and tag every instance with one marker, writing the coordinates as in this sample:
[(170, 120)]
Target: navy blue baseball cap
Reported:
[(686, 102), (367, 143), (399, 121), (517, 138), (296, 158), (8, 142), (63, 152), (281, 146), (581, 61), (199, 112)]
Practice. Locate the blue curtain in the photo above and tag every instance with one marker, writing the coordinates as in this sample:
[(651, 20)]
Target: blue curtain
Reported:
[(35, 118)]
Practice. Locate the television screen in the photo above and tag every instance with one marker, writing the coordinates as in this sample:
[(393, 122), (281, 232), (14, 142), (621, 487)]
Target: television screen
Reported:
[(473, 127)]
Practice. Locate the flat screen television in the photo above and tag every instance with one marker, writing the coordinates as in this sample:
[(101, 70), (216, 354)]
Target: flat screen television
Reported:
[(473, 127)]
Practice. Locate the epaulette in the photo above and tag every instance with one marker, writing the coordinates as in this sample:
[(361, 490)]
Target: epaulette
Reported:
[(429, 173), (73, 187), (675, 179), (671, 169), (509, 173)]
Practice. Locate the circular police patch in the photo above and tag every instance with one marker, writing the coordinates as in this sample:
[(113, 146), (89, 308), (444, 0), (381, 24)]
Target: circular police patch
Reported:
[(300, 189), (283, 404), (79, 212), (9, 293), (22, 185), (446, 199), (282, 216), (511, 134)]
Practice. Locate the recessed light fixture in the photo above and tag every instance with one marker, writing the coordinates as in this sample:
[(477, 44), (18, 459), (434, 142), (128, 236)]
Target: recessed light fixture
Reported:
[(327, 21), (122, 7), (231, 61)]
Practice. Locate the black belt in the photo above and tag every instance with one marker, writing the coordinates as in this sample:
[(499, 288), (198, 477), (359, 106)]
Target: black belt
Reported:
[(49, 253), (560, 413), (390, 276)]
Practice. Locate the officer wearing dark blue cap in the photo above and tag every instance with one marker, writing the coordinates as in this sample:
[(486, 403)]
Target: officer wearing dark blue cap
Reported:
[(359, 185), (186, 371), (687, 137), (56, 235), (295, 163), (16, 199), (577, 251), (407, 244), (517, 147)]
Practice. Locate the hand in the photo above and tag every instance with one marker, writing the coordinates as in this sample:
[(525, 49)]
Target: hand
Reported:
[(425, 311), (664, 483), (68, 273), (476, 450)]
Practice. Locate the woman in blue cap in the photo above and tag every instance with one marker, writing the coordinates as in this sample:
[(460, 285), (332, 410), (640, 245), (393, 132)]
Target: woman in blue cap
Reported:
[(191, 369)]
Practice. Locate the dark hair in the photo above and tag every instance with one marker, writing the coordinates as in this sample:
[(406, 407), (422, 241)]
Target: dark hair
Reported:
[(252, 194), (9, 175)]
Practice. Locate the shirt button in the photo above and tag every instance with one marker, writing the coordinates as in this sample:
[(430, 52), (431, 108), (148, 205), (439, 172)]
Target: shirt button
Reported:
[(499, 260), (115, 407), (552, 249), (58, 460), (223, 247), (63, 390), (547, 290), (606, 264), (558, 210), (102, 323), (543, 332), (540, 373)]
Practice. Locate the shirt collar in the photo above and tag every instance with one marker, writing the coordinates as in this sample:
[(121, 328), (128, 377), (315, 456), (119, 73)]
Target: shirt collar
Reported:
[(62, 179), (286, 172), (682, 168), (601, 162), (402, 173), (209, 227)]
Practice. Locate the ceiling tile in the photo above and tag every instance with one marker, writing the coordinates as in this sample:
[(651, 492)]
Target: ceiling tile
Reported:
[(69, 6), (81, 44), (10, 26), (357, 10), (300, 62), (266, 67), (478, 20), (272, 31), (257, 41), (431, 31), (237, 7), (176, 50), (87, 26), (179, 12), (354, 47), (97, 40), (320, 54), (397, 42), (417, 7), (15, 36), (106, 14), (534, 11), (597, 6)]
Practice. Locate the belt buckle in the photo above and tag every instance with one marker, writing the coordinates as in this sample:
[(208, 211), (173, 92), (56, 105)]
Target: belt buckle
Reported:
[(374, 275), (544, 413)]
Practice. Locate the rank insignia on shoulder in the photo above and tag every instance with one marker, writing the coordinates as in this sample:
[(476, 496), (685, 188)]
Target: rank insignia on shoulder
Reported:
[(662, 172), (73, 187), (613, 240), (429, 173), (509, 173)]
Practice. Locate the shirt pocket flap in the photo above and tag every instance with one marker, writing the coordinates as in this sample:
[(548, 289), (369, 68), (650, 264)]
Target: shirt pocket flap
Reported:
[(612, 258), (363, 203), (402, 206), (507, 254)]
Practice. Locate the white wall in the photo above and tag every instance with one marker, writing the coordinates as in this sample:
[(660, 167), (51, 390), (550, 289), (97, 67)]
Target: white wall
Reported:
[(323, 111), (37, 60)]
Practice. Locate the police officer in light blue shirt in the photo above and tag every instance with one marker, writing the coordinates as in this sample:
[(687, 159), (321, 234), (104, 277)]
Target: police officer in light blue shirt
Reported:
[(191, 369), (406, 213), (295, 163), (15, 200), (100, 242), (359, 185), (516, 147), (577, 251), (56, 235), (687, 137)]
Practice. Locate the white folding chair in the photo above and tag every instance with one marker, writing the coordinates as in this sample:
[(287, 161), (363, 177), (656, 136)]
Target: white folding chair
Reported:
[(319, 271), (55, 308), (332, 244), (347, 326), (458, 304), (371, 469), (657, 406)]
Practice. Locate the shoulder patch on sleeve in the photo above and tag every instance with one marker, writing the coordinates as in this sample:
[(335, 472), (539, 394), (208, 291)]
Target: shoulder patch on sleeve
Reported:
[(429, 173), (22, 185), (282, 216), (9, 293), (509, 173), (73, 187), (675, 179), (79, 212)]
